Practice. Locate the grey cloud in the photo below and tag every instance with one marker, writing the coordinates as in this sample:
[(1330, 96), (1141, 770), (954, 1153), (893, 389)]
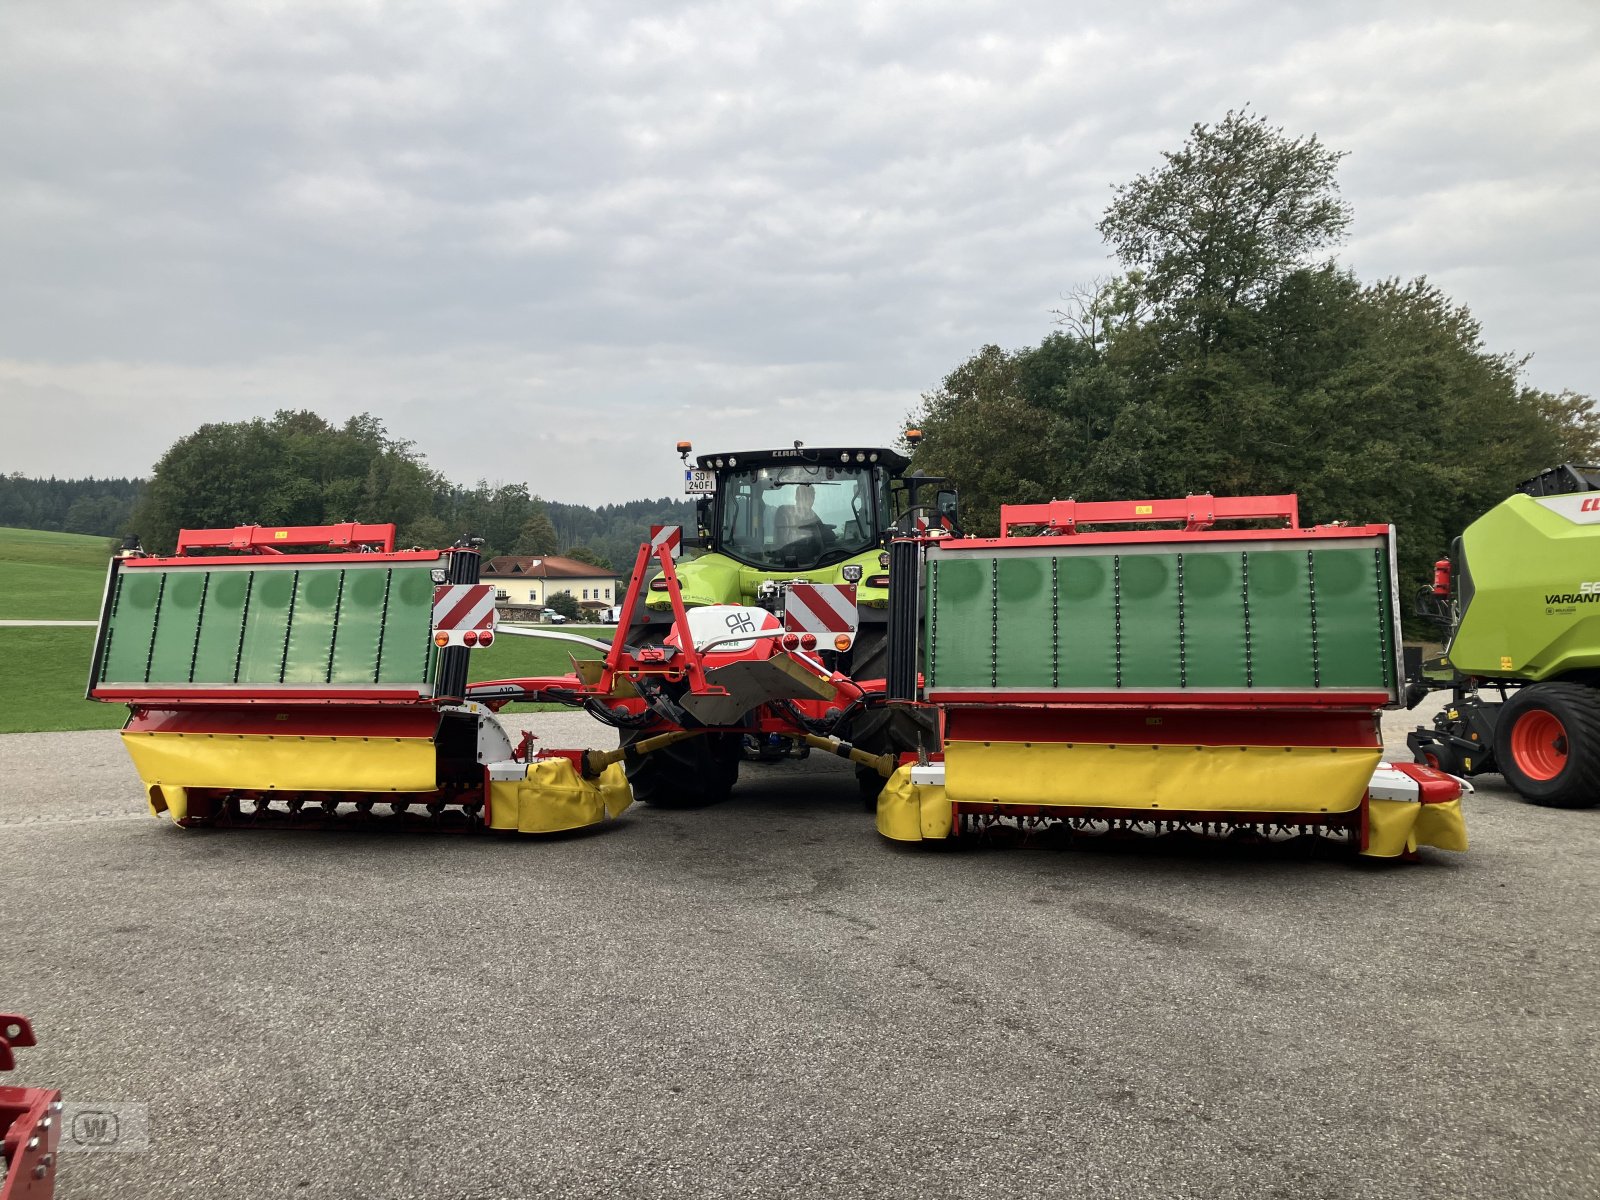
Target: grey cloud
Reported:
[(545, 241)]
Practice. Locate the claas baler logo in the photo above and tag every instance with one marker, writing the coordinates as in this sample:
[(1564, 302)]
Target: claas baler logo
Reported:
[(1587, 593)]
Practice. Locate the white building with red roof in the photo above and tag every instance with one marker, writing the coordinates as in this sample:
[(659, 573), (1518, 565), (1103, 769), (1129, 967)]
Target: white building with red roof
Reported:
[(528, 581)]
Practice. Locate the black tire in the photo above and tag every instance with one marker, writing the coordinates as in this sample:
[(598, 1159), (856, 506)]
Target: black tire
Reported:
[(889, 730), (869, 657), (1547, 744), (869, 785), (689, 774)]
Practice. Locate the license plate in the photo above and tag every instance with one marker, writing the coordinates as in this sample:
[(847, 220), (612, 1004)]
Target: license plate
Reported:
[(699, 483)]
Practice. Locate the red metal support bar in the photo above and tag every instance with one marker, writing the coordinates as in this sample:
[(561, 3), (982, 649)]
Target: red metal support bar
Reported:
[(618, 659), (275, 539), (1194, 512)]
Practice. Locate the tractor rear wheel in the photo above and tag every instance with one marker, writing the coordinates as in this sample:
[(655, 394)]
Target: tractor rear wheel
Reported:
[(689, 774), (1547, 744)]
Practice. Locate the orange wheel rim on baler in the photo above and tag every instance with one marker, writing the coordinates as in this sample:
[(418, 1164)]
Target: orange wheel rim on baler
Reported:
[(1539, 744)]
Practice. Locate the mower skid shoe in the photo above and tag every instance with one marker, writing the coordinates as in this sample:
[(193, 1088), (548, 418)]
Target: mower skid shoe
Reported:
[(552, 796)]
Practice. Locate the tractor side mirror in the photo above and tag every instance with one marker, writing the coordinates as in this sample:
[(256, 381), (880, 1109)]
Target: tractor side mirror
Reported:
[(949, 506)]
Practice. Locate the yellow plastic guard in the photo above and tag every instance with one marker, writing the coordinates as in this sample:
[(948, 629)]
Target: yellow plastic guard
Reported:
[(170, 762), (1265, 779), (1396, 827), (909, 812), (554, 797)]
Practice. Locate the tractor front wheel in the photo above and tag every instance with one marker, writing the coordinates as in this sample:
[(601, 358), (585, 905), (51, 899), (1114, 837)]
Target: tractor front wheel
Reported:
[(1547, 744), (689, 774)]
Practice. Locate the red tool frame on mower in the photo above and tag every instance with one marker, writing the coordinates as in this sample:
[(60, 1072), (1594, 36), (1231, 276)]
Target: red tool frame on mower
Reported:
[(622, 666)]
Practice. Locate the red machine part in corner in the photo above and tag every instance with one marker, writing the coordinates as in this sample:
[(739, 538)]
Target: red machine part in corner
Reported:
[(30, 1124)]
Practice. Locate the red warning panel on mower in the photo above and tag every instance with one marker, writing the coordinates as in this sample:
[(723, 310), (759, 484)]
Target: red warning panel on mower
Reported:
[(460, 609), (670, 536), (825, 609)]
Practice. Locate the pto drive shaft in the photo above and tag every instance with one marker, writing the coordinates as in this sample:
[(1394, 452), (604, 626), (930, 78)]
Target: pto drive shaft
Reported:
[(883, 764), (596, 761)]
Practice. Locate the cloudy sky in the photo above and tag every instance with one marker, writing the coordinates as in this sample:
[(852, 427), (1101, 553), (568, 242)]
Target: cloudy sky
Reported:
[(546, 240)]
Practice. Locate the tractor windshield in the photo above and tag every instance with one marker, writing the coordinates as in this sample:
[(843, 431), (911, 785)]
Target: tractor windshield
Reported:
[(800, 517)]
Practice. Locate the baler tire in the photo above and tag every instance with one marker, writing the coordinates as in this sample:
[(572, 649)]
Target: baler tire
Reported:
[(1567, 774), (693, 773)]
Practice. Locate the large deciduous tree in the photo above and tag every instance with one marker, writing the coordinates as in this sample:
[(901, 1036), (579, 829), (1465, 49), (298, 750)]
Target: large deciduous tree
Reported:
[(292, 469), (1229, 215), (1229, 359)]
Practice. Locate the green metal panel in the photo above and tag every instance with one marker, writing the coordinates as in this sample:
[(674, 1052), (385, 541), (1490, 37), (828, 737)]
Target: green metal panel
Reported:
[(1087, 623), (1353, 601), (308, 657), (1298, 615), (408, 652), (963, 645), (216, 657), (172, 650), (131, 625), (1024, 641), (360, 630), (264, 625), (1278, 588), (1214, 625), (1147, 633)]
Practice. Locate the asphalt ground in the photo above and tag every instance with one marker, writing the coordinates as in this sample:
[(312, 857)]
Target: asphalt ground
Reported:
[(764, 999)]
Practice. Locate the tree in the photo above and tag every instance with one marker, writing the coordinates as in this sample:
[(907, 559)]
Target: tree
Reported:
[(563, 603), (1229, 216), (427, 533), (292, 469), (1227, 360), (585, 555), (537, 535)]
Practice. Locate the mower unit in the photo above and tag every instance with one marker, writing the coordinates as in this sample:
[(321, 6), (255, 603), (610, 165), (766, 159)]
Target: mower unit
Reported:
[(308, 676), (1160, 680)]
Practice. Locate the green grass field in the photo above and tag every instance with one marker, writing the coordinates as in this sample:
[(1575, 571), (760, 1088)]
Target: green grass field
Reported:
[(51, 576), (45, 674), (513, 657)]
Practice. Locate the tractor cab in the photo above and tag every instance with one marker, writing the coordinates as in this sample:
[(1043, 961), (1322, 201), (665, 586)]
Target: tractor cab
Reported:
[(803, 509), (770, 518)]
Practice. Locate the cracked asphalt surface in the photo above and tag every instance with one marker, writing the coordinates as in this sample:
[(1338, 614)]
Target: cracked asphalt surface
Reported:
[(764, 999)]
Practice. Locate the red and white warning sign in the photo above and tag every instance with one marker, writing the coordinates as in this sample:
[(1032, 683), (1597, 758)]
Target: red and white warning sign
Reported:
[(460, 609), (825, 609), (670, 536)]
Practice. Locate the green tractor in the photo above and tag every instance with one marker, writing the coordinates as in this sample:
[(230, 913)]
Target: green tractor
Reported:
[(1519, 600), (769, 518)]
